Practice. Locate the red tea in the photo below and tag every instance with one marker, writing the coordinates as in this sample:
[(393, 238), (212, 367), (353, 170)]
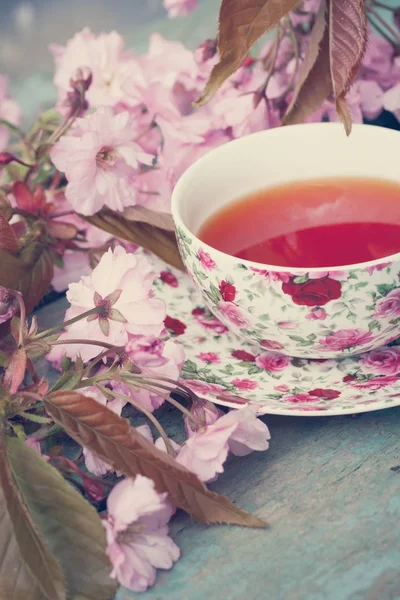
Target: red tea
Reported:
[(315, 223)]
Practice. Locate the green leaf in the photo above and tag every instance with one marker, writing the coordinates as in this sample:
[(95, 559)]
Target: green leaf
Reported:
[(20, 538), (253, 370), (264, 317), (215, 293), (3, 359), (190, 367), (68, 380), (360, 285), (66, 521), (384, 288), (301, 279)]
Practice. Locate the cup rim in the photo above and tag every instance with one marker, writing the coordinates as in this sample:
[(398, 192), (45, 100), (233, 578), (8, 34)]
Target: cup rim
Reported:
[(198, 165)]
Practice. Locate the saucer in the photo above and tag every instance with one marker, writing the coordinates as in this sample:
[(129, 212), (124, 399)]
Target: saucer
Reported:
[(222, 368)]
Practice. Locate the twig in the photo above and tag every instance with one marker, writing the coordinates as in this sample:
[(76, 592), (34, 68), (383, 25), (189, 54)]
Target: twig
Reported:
[(148, 414), (61, 326)]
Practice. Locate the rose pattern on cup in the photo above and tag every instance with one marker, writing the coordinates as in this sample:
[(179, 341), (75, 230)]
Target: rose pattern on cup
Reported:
[(224, 369), (313, 314)]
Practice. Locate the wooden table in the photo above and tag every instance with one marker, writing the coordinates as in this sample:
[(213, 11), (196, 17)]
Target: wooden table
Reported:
[(329, 488)]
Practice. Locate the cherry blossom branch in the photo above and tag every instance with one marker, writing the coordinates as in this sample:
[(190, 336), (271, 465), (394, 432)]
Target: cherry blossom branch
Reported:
[(60, 326), (147, 414), (384, 25), (168, 398), (87, 342)]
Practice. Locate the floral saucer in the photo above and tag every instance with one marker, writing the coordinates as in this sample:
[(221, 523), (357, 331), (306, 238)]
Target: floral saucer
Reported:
[(226, 370)]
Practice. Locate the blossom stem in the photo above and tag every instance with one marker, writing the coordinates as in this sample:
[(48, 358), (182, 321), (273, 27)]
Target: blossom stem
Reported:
[(179, 385), (384, 25), (168, 398), (87, 342), (22, 317), (61, 326), (147, 413), (382, 5)]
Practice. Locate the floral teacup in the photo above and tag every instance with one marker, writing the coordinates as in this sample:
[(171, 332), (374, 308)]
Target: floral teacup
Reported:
[(307, 313)]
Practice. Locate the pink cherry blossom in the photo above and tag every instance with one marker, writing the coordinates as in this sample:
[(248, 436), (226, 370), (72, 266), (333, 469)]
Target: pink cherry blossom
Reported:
[(250, 434), (317, 314), (371, 95), (391, 100), (75, 264), (244, 384), (275, 362), (205, 413), (205, 260), (137, 533), (160, 445), (205, 452), (101, 161), (9, 111), (345, 338), (389, 306), (166, 89), (238, 431), (179, 8), (382, 361), (377, 63), (209, 357), (234, 314), (121, 286), (104, 56), (35, 445), (8, 304), (154, 357)]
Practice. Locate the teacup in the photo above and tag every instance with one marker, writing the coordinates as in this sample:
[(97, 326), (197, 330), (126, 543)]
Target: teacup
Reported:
[(323, 314)]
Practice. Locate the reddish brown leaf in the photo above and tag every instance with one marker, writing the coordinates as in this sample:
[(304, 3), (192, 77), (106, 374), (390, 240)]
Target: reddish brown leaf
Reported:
[(8, 239), (141, 214), (241, 23), (347, 42), (62, 231), (15, 372), (30, 273), (120, 445), (344, 113), (32, 564), (331, 69), (314, 84), (158, 240), (23, 197)]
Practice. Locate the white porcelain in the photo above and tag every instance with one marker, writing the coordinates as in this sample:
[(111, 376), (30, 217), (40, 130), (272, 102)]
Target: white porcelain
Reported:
[(306, 313)]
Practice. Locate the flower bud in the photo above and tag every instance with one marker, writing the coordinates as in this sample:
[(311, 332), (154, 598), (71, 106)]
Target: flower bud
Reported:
[(206, 51), (8, 304)]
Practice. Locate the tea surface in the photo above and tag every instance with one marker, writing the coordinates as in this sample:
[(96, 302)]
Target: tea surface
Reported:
[(313, 223)]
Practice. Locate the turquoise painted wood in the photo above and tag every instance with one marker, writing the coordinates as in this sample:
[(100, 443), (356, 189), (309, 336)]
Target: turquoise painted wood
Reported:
[(330, 490)]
